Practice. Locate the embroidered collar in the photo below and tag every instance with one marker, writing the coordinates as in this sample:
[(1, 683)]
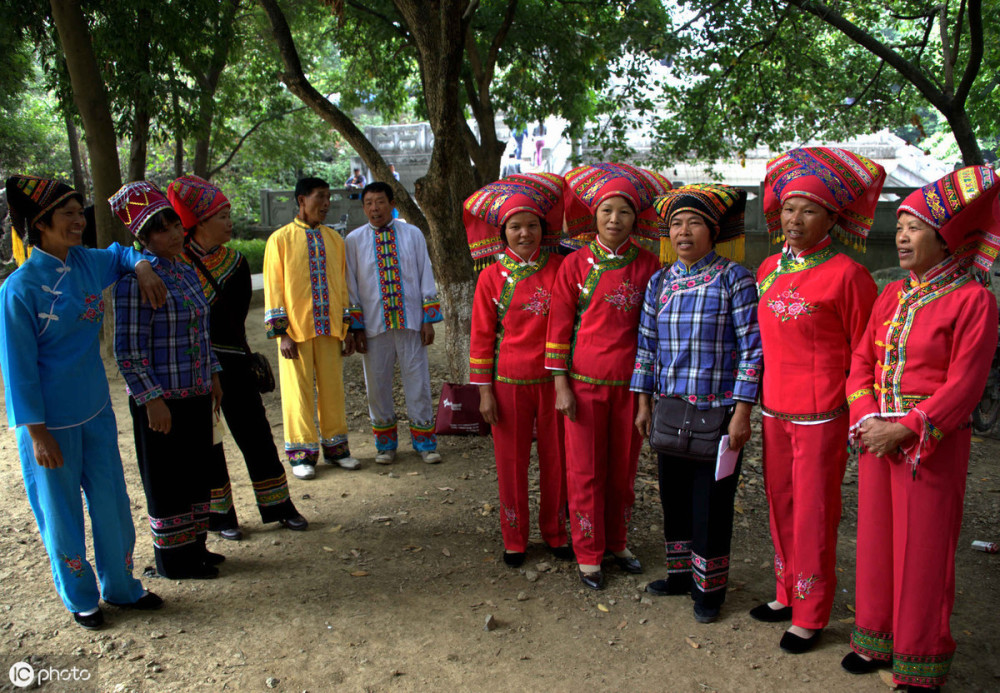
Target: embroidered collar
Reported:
[(936, 278), (679, 269), (788, 253), (520, 260), (603, 252)]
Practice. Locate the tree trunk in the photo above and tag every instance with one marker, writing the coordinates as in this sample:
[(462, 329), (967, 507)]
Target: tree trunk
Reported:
[(965, 137), (92, 102), (79, 182), (140, 144), (143, 97)]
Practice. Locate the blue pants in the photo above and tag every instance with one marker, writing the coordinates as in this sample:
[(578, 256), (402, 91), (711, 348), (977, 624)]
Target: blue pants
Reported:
[(90, 460)]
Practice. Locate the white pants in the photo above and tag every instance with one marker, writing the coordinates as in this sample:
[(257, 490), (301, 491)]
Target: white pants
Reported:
[(384, 351)]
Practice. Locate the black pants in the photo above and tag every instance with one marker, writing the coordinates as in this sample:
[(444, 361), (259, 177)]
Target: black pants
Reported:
[(698, 525), (247, 421), (173, 468)]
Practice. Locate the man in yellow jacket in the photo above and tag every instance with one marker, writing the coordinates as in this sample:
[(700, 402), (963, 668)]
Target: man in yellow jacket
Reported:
[(306, 309)]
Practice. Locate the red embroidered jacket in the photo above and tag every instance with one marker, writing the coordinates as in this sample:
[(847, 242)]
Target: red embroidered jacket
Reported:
[(925, 355), (510, 313), (596, 304), (812, 313)]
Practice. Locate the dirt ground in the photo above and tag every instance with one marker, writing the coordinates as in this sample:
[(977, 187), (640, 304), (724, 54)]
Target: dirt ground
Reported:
[(390, 589)]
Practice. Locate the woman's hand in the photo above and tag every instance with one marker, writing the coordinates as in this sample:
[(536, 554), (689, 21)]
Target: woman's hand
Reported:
[(45, 448), (151, 288), (488, 404), (739, 426), (158, 415), (882, 438), (216, 393), (565, 401), (289, 349), (644, 415)]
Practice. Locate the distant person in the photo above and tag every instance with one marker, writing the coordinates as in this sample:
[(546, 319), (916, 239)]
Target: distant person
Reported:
[(172, 376), (916, 377), (355, 182), (393, 308), (50, 326), (393, 171), (539, 135), (511, 167), (225, 279), (305, 309), (519, 136)]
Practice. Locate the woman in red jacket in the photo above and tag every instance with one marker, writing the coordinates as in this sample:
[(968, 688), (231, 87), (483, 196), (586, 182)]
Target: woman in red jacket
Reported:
[(591, 345), (915, 379), (814, 305), (520, 217)]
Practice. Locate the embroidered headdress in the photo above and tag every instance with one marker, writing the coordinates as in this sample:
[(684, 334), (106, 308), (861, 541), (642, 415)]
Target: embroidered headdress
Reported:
[(843, 182), (195, 199), (136, 203), (30, 198), (722, 206), (963, 207), (588, 186), (489, 208)]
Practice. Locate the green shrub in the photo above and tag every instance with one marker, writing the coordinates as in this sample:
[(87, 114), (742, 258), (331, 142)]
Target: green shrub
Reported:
[(253, 251)]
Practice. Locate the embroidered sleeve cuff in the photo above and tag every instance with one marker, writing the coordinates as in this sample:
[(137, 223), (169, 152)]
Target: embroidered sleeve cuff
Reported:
[(855, 396), (276, 322), (357, 317), (148, 395), (432, 310), (480, 371), (748, 372), (556, 356)]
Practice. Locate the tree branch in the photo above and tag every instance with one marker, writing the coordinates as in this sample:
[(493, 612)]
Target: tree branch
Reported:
[(501, 36), (246, 135), (395, 26), (975, 51), (947, 57)]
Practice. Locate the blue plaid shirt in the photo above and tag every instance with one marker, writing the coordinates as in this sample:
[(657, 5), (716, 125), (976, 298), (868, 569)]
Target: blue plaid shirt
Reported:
[(698, 334), (165, 352)]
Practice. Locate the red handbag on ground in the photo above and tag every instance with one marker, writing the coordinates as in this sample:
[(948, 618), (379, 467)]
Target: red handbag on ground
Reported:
[(458, 412)]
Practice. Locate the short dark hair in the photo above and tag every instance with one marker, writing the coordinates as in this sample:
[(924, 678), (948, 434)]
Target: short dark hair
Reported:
[(503, 229), (305, 186), (34, 235), (156, 223), (377, 187)]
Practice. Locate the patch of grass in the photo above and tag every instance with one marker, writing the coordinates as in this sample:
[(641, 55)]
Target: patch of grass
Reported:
[(253, 251)]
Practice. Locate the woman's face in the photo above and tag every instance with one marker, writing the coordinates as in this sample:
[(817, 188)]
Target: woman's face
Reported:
[(524, 233), (615, 219), (215, 230), (918, 245), (691, 236), (64, 231), (167, 243), (805, 223)]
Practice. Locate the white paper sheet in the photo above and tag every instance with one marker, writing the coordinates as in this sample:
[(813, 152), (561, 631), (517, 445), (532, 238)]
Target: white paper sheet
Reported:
[(725, 461)]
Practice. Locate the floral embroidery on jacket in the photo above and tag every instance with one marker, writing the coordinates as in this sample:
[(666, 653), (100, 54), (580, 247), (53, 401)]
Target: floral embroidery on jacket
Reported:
[(804, 586), (510, 515), (586, 526), (626, 297), (790, 305), (95, 308), (75, 565), (539, 302)]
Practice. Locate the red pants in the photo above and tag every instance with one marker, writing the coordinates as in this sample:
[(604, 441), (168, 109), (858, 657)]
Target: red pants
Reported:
[(907, 535), (518, 408), (803, 469), (602, 454)]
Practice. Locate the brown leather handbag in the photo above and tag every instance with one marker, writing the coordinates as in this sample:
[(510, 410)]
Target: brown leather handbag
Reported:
[(682, 430)]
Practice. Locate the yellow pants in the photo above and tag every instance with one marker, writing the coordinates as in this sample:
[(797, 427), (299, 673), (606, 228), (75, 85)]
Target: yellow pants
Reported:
[(319, 362)]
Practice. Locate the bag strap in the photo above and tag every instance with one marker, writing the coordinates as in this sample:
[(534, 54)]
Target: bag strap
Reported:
[(200, 266), (659, 290)]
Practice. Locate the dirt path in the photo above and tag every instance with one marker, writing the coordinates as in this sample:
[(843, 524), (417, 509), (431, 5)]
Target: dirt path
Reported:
[(391, 586)]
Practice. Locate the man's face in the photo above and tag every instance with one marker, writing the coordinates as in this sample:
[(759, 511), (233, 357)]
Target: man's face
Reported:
[(378, 209), (314, 206)]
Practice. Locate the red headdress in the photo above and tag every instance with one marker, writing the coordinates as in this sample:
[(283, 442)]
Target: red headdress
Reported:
[(963, 207), (195, 199), (841, 181), (589, 186), (489, 208)]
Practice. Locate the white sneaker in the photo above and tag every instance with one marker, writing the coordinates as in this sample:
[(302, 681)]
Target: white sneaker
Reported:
[(304, 471), (348, 463), (430, 456), (385, 457)]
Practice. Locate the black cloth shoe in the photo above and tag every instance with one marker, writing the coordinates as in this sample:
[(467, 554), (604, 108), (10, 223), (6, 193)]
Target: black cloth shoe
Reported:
[(202, 572), (147, 602), (793, 644), (670, 587), (630, 564), (705, 614), (296, 523), (923, 689), (853, 663), (766, 614), (209, 558), (94, 621), (563, 553), (594, 581), (233, 534), (513, 559)]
